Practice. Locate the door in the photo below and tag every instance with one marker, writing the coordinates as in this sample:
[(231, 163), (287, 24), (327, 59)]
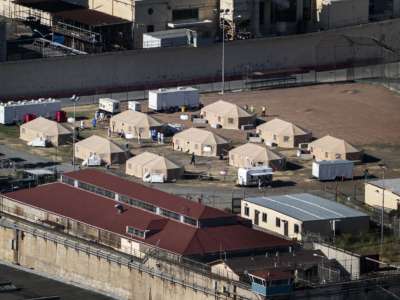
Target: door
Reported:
[(256, 217), (286, 228)]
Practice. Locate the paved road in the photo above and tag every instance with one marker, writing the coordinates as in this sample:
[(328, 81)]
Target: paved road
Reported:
[(33, 286)]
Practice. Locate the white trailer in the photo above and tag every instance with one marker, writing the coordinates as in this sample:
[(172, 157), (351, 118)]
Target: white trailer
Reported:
[(109, 106), (332, 169), (256, 176), (134, 106), (172, 99), (11, 112)]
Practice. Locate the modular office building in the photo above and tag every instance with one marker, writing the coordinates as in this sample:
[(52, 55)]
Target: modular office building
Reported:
[(296, 214)]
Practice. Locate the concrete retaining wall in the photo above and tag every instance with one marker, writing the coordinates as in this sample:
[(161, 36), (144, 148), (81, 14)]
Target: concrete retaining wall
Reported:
[(52, 256), (93, 74)]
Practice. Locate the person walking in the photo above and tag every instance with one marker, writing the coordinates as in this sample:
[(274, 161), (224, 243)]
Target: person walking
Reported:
[(193, 159)]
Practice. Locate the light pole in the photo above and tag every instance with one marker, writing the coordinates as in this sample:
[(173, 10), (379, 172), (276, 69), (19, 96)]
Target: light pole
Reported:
[(383, 167), (74, 100), (222, 13), (333, 223)]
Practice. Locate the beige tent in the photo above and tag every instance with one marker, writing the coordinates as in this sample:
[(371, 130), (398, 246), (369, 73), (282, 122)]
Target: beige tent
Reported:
[(109, 152), (283, 133), (45, 129), (226, 114), (252, 155), (134, 122), (151, 163), (331, 148), (200, 142)]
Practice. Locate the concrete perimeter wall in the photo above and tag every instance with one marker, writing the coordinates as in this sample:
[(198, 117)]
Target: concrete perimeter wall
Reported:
[(106, 272), (143, 69)]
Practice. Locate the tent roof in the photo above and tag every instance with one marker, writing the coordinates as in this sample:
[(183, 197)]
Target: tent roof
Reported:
[(201, 136), (46, 126), (256, 152), (226, 108), (99, 145), (152, 160), (279, 126), (136, 119), (330, 143)]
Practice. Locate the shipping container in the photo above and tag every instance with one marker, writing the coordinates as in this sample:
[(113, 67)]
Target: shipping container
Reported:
[(109, 106)]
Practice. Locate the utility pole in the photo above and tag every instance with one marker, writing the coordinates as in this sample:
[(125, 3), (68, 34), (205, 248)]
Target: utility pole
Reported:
[(383, 167), (221, 14), (74, 99)]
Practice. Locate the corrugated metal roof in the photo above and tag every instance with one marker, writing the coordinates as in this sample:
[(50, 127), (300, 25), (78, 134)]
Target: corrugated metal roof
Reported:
[(306, 207), (392, 185)]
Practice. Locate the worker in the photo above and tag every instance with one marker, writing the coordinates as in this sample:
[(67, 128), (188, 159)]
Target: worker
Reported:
[(263, 111), (193, 159), (159, 137), (109, 132)]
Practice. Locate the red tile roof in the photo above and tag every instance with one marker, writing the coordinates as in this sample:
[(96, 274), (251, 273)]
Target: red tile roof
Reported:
[(98, 211), (146, 194)]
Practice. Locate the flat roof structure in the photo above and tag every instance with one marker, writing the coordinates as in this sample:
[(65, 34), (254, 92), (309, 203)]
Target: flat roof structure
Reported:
[(392, 185), (306, 207), (101, 212)]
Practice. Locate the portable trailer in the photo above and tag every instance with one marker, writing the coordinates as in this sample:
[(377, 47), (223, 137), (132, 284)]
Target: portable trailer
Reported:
[(174, 98), (332, 169)]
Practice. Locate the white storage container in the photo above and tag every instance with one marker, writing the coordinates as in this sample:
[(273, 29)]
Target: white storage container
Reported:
[(255, 176), (332, 169), (12, 112), (166, 99), (134, 105)]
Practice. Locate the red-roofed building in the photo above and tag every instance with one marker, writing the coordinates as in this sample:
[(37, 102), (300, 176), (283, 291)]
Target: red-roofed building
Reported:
[(90, 205)]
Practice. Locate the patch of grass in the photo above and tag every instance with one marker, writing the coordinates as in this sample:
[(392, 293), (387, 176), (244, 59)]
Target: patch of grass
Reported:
[(9, 131)]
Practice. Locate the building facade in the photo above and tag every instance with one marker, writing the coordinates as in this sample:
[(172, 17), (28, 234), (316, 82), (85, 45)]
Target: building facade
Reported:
[(294, 215), (383, 192)]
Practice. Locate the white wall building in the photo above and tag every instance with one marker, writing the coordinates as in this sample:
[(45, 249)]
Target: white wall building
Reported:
[(374, 193), (295, 214)]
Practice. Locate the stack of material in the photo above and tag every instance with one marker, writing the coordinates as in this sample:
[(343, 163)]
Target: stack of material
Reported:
[(46, 130), (151, 163), (252, 155), (200, 142), (108, 152)]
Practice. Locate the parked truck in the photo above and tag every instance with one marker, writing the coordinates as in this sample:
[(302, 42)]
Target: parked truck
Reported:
[(174, 98), (332, 169)]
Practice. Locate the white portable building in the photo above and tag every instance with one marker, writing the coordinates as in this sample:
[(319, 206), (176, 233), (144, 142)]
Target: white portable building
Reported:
[(169, 38), (165, 99), (12, 112), (255, 176), (109, 105), (332, 169)]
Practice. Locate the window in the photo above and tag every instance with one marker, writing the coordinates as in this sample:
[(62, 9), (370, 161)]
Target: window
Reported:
[(150, 28), (150, 11), (136, 232), (278, 222), (185, 14), (67, 180), (261, 13), (296, 228), (338, 156), (246, 211), (230, 120), (286, 138), (170, 214), (326, 154), (190, 221), (219, 119), (274, 137), (264, 217)]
